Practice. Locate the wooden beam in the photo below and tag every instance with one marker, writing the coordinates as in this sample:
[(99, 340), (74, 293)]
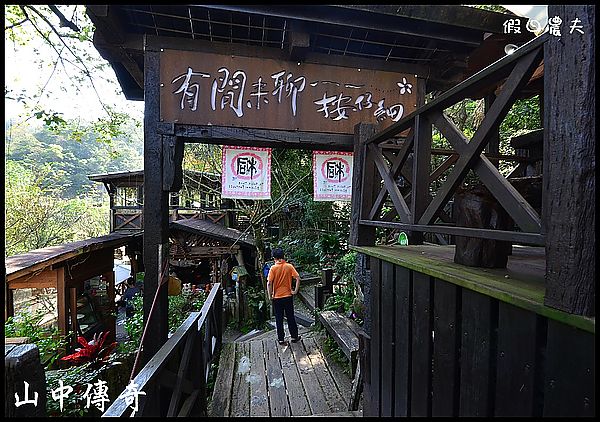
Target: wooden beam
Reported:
[(90, 265), (515, 237), (111, 307), (518, 77), (569, 165), (156, 215), (332, 15), (299, 41), (221, 135), (397, 165), (109, 38), (390, 184), (238, 49), (462, 16), (443, 167), (535, 137), (444, 151), (46, 278), (493, 145), (39, 262), (210, 250), (73, 312), (9, 304), (506, 194)]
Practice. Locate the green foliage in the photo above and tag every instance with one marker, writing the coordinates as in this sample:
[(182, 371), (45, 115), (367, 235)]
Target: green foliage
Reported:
[(75, 152), (329, 248), (346, 266), (37, 216), (332, 350), (258, 308), (342, 300), (52, 119), (134, 326), (182, 305), (524, 116), (77, 377), (48, 340)]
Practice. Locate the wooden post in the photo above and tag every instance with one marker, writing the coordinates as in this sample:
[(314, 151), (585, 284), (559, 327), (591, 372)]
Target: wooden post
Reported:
[(9, 306), (73, 312), (156, 217), (363, 189), (493, 146), (61, 301), (111, 309), (569, 163), (420, 174), (22, 365)]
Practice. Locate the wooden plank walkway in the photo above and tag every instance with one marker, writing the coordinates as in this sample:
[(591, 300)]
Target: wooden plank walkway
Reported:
[(259, 377)]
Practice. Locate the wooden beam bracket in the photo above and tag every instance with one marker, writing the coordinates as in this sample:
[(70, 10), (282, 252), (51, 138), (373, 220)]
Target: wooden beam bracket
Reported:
[(172, 163)]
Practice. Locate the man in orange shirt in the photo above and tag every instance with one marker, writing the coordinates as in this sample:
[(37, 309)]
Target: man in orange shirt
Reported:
[(279, 286)]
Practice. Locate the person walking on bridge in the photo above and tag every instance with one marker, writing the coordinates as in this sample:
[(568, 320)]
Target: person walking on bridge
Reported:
[(279, 286)]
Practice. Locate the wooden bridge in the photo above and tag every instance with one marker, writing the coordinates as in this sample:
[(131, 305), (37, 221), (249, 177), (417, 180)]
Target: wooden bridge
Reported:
[(259, 377), (256, 377)]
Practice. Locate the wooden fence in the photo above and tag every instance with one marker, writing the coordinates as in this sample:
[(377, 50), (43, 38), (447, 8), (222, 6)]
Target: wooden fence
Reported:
[(418, 211), (131, 218), (175, 379), (439, 348)]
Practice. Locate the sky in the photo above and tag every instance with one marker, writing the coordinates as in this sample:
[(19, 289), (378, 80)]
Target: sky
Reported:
[(22, 72)]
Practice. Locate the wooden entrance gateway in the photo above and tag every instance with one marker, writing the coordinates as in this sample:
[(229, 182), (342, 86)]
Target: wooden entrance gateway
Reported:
[(355, 78)]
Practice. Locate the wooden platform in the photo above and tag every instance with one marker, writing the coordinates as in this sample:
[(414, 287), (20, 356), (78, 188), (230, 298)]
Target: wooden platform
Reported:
[(262, 378), (521, 283)]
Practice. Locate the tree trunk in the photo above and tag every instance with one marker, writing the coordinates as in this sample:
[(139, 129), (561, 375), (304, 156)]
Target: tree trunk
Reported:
[(477, 208)]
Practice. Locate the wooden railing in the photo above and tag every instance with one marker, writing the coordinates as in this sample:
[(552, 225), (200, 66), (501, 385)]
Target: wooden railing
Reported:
[(418, 211), (174, 380), (132, 218)]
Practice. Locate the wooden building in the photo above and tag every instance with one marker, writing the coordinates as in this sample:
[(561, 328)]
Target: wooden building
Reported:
[(440, 338), (199, 198), (203, 252), (82, 274)]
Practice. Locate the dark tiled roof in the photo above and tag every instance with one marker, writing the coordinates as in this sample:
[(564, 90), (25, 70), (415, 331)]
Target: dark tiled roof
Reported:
[(208, 228), (44, 257)]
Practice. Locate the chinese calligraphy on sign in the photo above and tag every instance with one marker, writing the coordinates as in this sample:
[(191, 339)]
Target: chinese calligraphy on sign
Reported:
[(246, 173), (95, 394), (213, 89), (332, 175)]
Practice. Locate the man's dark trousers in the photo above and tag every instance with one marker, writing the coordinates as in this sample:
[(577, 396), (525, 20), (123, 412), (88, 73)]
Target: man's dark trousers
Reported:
[(281, 305)]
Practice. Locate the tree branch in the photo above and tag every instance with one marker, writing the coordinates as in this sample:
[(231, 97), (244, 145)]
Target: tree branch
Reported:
[(16, 24), (64, 22)]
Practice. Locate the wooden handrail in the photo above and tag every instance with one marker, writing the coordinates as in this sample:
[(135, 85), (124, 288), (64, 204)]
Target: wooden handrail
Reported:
[(419, 210), (198, 349), (460, 91)]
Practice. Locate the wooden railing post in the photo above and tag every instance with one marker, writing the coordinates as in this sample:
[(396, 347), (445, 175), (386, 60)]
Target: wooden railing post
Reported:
[(420, 174), (363, 187), (569, 164)]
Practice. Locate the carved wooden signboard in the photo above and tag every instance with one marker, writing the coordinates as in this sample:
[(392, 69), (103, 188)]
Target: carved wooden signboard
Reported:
[(205, 88)]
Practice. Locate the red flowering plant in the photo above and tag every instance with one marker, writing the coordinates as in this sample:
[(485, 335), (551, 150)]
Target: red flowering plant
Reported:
[(94, 352)]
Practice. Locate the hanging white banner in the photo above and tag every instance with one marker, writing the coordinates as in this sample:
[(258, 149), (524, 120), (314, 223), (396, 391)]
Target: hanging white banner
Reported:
[(332, 175), (246, 173)]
